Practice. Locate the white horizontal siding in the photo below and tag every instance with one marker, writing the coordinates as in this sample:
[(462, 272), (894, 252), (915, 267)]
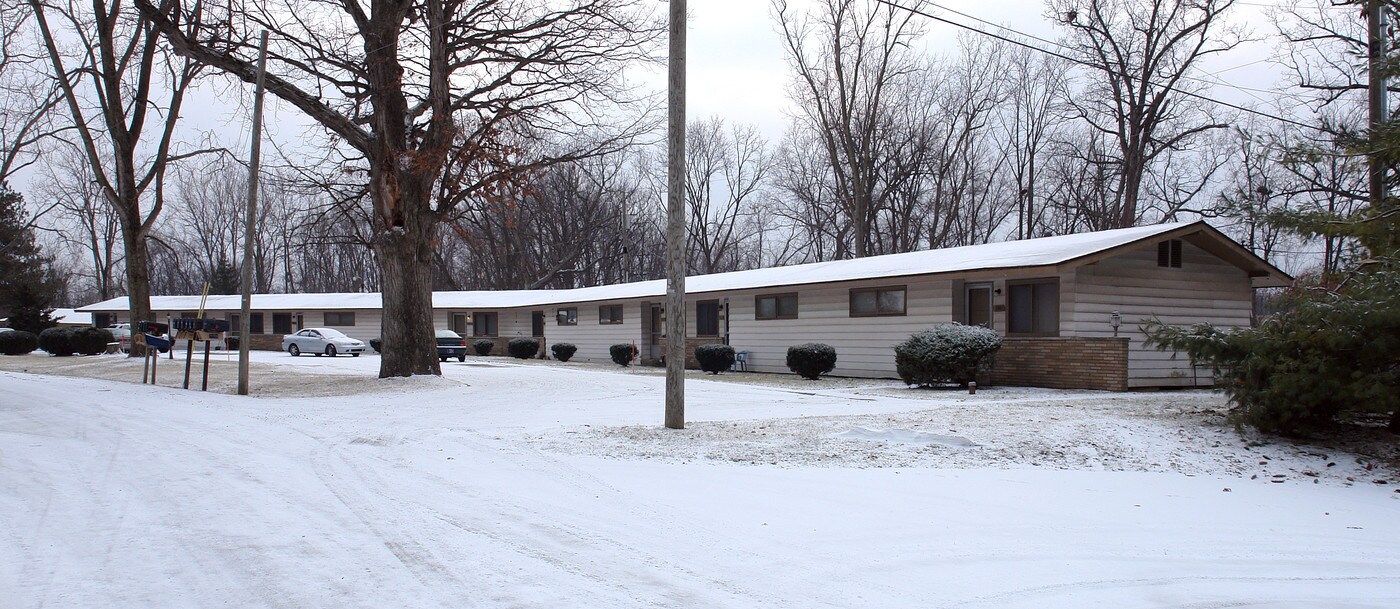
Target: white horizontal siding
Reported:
[(1204, 289), (593, 338), (864, 345)]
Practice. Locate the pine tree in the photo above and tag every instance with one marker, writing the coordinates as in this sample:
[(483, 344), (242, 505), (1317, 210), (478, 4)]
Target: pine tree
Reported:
[(29, 286)]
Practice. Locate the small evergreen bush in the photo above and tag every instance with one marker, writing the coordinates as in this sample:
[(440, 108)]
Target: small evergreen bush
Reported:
[(376, 343), (92, 341), (715, 359), (622, 354), (483, 346), (811, 360), (57, 341), (523, 348), (18, 342), (563, 351), (946, 353)]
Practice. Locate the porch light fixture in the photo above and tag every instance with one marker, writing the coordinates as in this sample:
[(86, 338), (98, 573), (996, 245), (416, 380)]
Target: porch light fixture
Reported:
[(1115, 320)]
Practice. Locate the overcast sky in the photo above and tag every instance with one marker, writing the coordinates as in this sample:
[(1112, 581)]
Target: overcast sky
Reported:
[(736, 70)]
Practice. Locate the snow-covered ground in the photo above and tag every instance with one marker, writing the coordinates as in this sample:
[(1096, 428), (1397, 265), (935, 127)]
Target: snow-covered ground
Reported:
[(509, 484)]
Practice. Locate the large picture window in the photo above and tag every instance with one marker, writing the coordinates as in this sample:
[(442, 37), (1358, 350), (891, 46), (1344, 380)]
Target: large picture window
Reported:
[(484, 324), (874, 302), (707, 318), (340, 318), (281, 323), (775, 306), (610, 314), (1033, 307)]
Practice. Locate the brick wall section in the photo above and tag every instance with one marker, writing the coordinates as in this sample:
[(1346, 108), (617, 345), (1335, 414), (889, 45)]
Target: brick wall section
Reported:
[(1063, 363), (500, 346)]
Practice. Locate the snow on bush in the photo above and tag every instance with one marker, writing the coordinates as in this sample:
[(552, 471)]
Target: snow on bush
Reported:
[(811, 360), (523, 348), (563, 351), (92, 341), (714, 359), (483, 346), (946, 353), (622, 354)]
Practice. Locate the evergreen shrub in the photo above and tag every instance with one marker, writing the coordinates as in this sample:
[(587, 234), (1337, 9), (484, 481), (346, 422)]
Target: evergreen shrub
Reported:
[(811, 360), (523, 348), (622, 354), (57, 341), (92, 341), (715, 359), (18, 342), (946, 353), (563, 351), (483, 346), (376, 343), (1330, 355)]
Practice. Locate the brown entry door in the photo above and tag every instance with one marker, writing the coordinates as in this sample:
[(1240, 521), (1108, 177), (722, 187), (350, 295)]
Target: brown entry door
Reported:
[(655, 323), (979, 305)]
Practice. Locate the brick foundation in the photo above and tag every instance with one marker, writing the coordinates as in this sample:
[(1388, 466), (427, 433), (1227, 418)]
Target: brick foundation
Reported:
[(1063, 363)]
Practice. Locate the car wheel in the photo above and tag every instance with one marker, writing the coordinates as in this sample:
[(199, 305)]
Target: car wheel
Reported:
[(442, 359), (462, 357), (354, 355), (330, 350), (294, 350)]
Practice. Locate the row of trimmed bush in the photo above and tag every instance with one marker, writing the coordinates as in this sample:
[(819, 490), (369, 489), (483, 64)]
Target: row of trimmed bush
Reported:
[(57, 341)]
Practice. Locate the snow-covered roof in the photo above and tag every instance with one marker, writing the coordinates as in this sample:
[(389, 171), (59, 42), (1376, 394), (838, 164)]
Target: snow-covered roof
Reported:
[(71, 317), (1045, 251)]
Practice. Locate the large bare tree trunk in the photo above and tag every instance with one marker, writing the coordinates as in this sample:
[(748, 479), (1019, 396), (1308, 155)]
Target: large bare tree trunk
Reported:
[(405, 256)]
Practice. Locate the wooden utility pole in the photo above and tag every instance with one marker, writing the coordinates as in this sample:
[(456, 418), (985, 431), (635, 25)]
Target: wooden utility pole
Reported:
[(675, 223), (1375, 42), (244, 321)]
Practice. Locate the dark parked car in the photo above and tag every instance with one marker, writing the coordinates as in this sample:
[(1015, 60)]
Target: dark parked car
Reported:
[(451, 344)]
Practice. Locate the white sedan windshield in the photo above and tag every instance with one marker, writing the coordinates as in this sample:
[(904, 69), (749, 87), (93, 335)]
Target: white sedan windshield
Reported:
[(329, 333)]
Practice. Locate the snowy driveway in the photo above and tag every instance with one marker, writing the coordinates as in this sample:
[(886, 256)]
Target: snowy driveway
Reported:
[(513, 486)]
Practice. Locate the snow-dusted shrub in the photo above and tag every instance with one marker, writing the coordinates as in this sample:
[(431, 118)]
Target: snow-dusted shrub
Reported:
[(374, 343), (811, 360), (563, 351), (714, 359), (91, 341), (946, 353), (622, 354), (483, 346), (18, 342), (57, 341), (523, 348)]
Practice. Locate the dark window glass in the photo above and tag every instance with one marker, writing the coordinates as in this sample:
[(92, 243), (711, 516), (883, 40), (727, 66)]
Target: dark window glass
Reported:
[(567, 317), (255, 323), (340, 318), (707, 318), (281, 323), (483, 324), (869, 302), (610, 314), (1169, 253), (775, 306), (1034, 308)]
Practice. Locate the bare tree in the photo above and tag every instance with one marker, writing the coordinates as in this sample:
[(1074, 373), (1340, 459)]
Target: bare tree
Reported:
[(425, 93), (1140, 92), (84, 225), (1035, 112), (853, 60), (27, 93), (120, 87), (726, 175)]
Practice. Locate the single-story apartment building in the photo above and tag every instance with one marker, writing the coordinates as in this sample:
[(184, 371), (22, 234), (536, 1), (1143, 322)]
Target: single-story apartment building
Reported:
[(1069, 307)]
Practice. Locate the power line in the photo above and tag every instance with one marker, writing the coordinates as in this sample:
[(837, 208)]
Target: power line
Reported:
[(1081, 62)]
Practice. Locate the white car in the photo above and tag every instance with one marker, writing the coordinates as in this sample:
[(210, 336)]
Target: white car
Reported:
[(320, 341)]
